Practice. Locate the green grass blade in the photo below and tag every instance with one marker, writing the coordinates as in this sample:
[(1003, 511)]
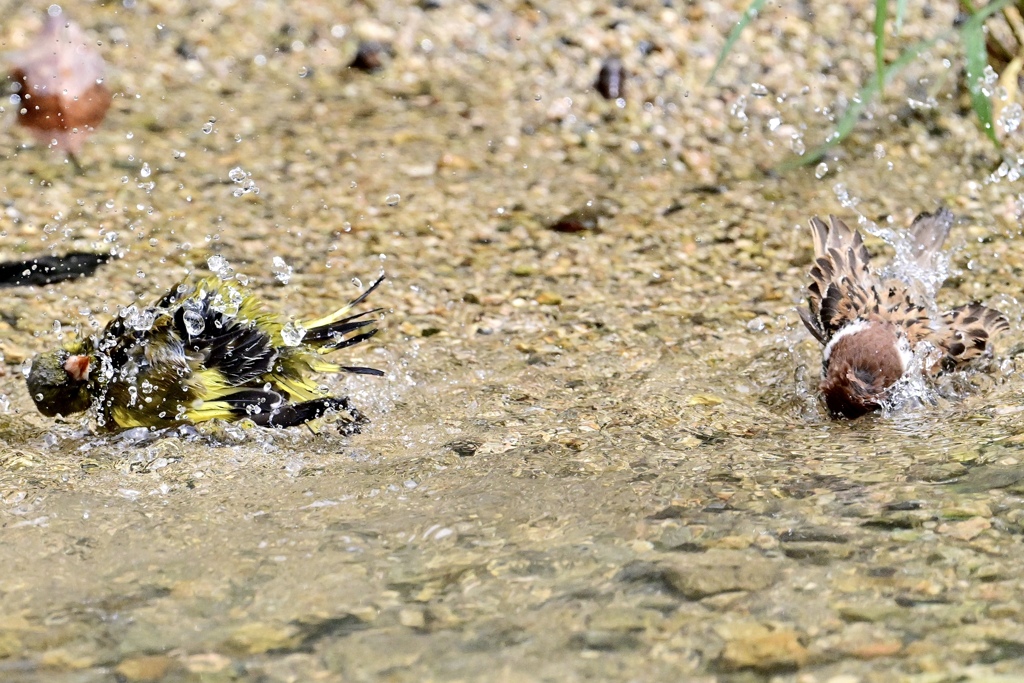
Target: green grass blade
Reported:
[(881, 14), (863, 99), (748, 16), (972, 33), (901, 11)]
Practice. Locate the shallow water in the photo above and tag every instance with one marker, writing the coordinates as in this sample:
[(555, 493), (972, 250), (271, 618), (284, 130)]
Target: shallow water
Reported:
[(596, 455)]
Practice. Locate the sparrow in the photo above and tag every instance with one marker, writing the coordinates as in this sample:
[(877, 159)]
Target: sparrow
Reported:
[(870, 327), (60, 86), (207, 350)]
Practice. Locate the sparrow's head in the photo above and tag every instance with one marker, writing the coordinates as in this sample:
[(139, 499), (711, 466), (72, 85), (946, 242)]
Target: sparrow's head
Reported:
[(59, 382), (862, 361)]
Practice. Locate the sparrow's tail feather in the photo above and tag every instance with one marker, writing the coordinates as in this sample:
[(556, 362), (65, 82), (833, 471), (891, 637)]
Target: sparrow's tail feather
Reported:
[(968, 332)]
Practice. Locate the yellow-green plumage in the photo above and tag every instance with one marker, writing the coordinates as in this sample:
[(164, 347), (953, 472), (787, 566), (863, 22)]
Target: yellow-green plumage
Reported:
[(207, 350)]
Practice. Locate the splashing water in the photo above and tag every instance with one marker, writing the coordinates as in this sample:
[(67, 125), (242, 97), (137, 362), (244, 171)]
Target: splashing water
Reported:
[(194, 323), (292, 334), (243, 179), (1011, 117), (219, 266), (913, 388), (282, 271)]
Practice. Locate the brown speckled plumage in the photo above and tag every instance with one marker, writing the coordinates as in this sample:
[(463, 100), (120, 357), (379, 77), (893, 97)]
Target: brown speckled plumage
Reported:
[(876, 324)]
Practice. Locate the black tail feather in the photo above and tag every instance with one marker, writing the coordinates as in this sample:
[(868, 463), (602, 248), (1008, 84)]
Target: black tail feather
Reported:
[(351, 341), (339, 328), (363, 371), (359, 299), (293, 414)]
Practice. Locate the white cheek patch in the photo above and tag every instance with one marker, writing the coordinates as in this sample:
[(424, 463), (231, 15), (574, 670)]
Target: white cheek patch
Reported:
[(847, 330)]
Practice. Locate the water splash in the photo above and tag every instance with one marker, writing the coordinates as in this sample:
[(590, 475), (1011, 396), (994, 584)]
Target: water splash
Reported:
[(219, 266), (282, 271)]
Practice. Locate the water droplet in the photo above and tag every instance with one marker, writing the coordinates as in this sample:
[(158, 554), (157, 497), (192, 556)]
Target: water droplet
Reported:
[(393, 199), (990, 76), (292, 334), (282, 271), (796, 143), (194, 323), (758, 90), (143, 320), (244, 179), (145, 171), (739, 108), (219, 265), (1010, 118), (820, 170)]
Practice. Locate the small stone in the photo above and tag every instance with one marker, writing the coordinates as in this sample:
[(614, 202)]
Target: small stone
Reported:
[(206, 663), (548, 299), (258, 637), (754, 646), (370, 56), (875, 649), (966, 530), (412, 618), (144, 668), (719, 571), (454, 162), (586, 218), (870, 612), (818, 553), (611, 79), (966, 510), (623, 619), (606, 640), (463, 447), (65, 659)]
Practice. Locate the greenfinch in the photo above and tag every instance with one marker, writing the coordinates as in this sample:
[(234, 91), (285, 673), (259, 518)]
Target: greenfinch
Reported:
[(207, 350)]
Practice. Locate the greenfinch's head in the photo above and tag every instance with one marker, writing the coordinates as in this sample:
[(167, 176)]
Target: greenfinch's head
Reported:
[(59, 382)]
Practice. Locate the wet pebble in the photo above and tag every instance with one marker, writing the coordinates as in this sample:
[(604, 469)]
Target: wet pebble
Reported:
[(606, 640), (259, 637), (757, 647), (611, 79), (719, 571), (144, 669), (585, 218), (966, 530), (370, 56), (548, 299)]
